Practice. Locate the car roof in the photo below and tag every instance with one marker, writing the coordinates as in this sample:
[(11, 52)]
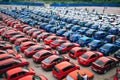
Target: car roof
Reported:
[(52, 57), (76, 48), (89, 53), (43, 51), (63, 65), (7, 61), (109, 45), (21, 39), (104, 59), (28, 42)]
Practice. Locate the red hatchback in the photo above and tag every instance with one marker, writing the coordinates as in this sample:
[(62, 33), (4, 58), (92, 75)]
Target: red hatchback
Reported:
[(33, 77), (29, 32), (65, 47), (104, 64), (76, 52), (41, 55), (25, 45), (26, 29), (35, 34), (33, 49), (62, 69), (20, 40), (12, 63), (88, 57), (51, 61), (18, 72)]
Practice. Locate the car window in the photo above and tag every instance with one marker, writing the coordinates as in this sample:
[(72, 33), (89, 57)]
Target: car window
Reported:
[(68, 68), (21, 73), (38, 48), (108, 63), (45, 54), (13, 76), (93, 56)]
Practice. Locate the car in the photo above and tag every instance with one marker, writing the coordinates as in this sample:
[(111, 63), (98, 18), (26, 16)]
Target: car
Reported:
[(61, 32), (104, 64), (75, 21), (62, 69), (2, 29), (29, 52), (18, 72), (36, 33), (44, 35), (12, 63), (117, 54), (113, 31), (26, 29), (75, 37), (108, 49), (82, 30), (25, 45), (20, 27), (75, 28), (20, 40), (117, 42), (33, 77), (65, 47), (76, 52), (29, 32), (5, 45), (74, 75), (83, 41), (89, 24), (69, 26), (57, 43), (110, 38), (67, 34), (95, 26), (13, 39), (41, 55), (117, 75), (48, 27), (104, 28), (49, 62), (95, 44), (54, 29), (82, 23), (50, 39), (88, 57), (100, 35), (90, 32)]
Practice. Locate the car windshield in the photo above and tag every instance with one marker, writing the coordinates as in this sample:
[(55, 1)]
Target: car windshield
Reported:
[(85, 56), (56, 69), (30, 49), (47, 60), (37, 54), (99, 62), (69, 78)]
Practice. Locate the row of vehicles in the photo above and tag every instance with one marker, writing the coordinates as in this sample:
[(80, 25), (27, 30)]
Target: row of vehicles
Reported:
[(49, 54)]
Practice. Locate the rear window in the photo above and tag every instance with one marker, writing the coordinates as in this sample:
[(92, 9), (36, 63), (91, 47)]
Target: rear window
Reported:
[(84, 56), (56, 69), (99, 62)]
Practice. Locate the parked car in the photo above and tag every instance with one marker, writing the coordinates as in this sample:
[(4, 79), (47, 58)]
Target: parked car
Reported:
[(117, 54), (75, 28), (36, 33), (51, 61), (104, 64), (108, 49), (104, 28), (26, 29), (82, 30), (110, 39), (29, 52), (4, 46), (117, 42), (75, 37), (20, 40), (100, 35), (117, 75), (33, 77), (41, 55), (69, 26), (62, 69), (95, 44), (12, 63), (17, 73), (113, 31), (29, 32), (90, 32), (61, 32), (76, 52), (88, 57), (74, 75), (83, 41), (67, 34), (65, 47)]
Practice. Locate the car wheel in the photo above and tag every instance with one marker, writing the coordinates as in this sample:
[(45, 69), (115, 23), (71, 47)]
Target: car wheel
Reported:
[(105, 71)]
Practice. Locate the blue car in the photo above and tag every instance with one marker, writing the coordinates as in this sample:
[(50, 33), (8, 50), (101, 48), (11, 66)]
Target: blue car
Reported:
[(90, 32), (82, 30), (69, 26), (46, 20), (117, 42), (95, 44), (117, 54), (54, 29), (68, 20), (100, 35), (110, 39), (67, 34), (48, 27), (113, 31), (108, 49), (42, 26), (89, 24), (74, 37), (82, 23), (83, 41), (61, 32), (104, 28), (95, 26), (75, 22), (75, 28)]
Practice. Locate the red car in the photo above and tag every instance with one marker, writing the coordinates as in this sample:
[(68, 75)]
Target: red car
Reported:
[(62, 69), (104, 64), (50, 39), (33, 77), (4, 46), (12, 63), (44, 35), (25, 45), (29, 32), (88, 57), (65, 47), (12, 39), (57, 43), (2, 29), (35, 34), (76, 52), (26, 29), (21, 27), (41, 55), (17, 73), (20, 40), (117, 75), (33, 49), (51, 61)]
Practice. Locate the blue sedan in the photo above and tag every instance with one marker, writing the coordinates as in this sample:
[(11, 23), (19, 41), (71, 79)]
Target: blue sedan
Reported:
[(100, 35)]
